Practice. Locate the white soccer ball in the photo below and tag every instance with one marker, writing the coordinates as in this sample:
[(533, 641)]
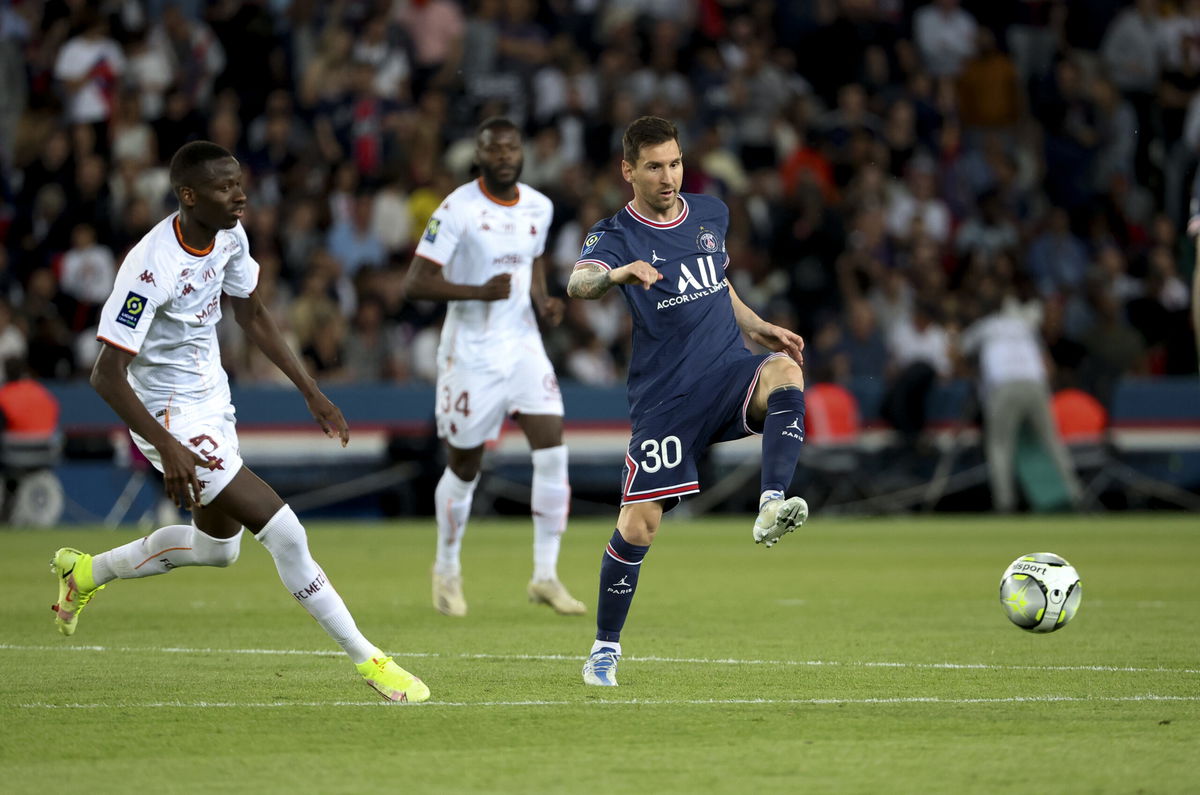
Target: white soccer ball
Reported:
[(1040, 592)]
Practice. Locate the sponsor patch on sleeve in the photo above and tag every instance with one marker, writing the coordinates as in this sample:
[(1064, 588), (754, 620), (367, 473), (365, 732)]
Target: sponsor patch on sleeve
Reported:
[(431, 229), (131, 310), (589, 243)]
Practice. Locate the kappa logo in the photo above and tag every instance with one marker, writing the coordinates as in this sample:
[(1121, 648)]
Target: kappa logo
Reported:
[(132, 309), (188, 289), (148, 277), (533, 230)]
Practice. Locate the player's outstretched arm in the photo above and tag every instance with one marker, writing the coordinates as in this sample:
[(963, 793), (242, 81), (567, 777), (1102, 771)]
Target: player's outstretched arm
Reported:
[(426, 282), (260, 327), (768, 335), (179, 463), (592, 281)]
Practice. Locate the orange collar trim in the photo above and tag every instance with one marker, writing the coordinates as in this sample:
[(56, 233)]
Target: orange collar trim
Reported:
[(501, 202), (195, 252)]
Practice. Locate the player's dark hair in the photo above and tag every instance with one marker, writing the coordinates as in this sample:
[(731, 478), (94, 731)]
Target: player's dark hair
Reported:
[(646, 131), (187, 163), (496, 123)]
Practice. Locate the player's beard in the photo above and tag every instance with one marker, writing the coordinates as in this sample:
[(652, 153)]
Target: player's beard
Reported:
[(495, 182)]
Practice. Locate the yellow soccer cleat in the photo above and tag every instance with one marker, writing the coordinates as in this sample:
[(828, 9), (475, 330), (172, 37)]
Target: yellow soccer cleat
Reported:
[(555, 594), (75, 587), (393, 682)]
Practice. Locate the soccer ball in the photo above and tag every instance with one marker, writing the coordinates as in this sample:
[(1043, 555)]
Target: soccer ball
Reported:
[(1040, 592)]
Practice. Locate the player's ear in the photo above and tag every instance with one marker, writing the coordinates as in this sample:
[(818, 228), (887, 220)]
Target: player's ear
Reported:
[(187, 196), (627, 170)]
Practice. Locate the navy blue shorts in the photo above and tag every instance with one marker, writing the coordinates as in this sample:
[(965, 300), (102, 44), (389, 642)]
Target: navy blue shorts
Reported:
[(660, 463)]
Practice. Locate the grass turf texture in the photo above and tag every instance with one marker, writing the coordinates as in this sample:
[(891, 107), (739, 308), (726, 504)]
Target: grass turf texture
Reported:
[(857, 656)]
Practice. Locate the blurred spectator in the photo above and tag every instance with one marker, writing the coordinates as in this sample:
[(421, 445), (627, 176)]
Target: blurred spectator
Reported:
[(367, 352), (989, 94), (920, 353), (353, 243), (12, 340), (1057, 259), (86, 277), (90, 66), (194, 53), (1015, 392), (945, 37)]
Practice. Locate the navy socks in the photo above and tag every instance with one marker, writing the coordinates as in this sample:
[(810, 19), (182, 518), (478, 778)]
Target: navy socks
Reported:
[(783, 436), (618, 579)]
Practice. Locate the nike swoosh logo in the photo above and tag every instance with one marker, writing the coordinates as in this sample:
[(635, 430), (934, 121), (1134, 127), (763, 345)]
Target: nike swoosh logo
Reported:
[(67, 573)]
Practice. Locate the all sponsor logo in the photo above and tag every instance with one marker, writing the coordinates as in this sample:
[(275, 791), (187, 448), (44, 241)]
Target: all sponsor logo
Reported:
[(589, 243), (131, 310), (695, 282)]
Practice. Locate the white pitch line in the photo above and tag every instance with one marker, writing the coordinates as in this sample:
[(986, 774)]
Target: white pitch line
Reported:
[(624, 702), (949, 666)]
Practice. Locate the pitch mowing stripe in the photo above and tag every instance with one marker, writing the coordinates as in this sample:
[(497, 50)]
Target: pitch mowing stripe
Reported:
[(949, 666), (639, 702)]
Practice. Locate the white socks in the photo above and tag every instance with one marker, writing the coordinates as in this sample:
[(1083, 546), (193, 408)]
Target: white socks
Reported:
[(285, 539), (550, 504), (165, 549), (452, 500)]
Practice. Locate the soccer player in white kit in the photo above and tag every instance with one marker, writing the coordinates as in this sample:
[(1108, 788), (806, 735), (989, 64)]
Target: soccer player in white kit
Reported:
[(482, 253), (160, 370)]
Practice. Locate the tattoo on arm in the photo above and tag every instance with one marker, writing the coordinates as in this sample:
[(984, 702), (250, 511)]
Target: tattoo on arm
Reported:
[(590, 281)]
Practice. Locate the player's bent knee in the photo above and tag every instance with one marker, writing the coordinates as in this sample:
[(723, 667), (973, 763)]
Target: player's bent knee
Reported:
[(781, 372), (219, 552), (638, 523)]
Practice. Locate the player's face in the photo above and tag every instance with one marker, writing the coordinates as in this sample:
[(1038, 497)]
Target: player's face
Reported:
[(217, 199), (656, 176), (500, 158)]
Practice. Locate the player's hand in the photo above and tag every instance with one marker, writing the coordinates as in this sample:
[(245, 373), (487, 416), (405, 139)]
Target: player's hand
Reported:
[(179, 474), (777, 338), (550, 310), (496, 288), (329, 417), (638, 271)]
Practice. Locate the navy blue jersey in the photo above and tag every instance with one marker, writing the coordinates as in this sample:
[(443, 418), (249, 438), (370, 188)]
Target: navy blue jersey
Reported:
[(683, 326)]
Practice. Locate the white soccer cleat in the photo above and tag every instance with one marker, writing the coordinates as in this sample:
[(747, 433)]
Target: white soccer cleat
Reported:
[(555, 594), (600, 668), (448, 595), (777, 517)]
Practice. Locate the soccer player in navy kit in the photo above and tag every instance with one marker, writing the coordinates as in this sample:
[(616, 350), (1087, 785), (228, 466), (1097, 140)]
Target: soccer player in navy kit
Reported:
[(692, 382)]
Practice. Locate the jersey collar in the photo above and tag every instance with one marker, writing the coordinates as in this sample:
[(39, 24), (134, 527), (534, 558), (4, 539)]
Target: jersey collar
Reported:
[(502, 202), (655, 224), (195, 252)]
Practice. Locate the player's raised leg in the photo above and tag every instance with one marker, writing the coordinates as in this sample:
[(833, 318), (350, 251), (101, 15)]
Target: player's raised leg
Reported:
[(778, 404), (620, 566), (550, 504), (452, 507), (248, 501)]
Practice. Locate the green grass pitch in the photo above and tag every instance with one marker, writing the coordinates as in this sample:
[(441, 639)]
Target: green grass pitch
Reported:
[(857, 656)]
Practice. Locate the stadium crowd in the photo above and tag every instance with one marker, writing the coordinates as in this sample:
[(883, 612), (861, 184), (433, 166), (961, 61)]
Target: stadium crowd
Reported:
[(892, 167)]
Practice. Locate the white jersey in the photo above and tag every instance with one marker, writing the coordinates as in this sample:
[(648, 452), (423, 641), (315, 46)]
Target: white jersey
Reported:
[(475, 236), (164, 309)]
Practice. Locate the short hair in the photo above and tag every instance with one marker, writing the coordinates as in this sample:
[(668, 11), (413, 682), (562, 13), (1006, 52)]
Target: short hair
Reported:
[(496, 123), (646, 131), (186, 163)]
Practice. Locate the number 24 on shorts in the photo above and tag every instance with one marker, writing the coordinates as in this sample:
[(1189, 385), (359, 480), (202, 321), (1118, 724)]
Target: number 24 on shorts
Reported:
[(462, 404)]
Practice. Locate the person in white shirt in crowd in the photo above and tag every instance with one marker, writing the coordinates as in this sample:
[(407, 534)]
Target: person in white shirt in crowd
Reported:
[(1015, 392), (483, 252)]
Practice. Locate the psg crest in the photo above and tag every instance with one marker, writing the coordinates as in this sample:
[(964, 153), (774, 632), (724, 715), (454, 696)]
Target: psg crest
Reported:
[(707, 241)]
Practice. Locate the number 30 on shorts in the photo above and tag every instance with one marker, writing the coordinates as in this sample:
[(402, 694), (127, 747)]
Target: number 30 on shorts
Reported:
[(462, 404), (661, 455)]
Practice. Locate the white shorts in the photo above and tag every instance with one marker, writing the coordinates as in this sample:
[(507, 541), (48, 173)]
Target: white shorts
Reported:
[(472, 403), (207, 428)]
